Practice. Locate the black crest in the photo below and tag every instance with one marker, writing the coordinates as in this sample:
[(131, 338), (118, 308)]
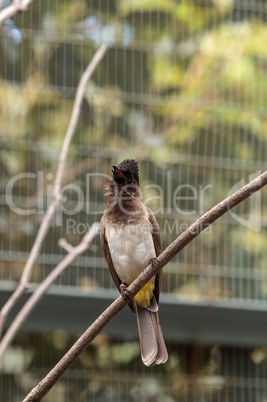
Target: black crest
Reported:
[(128, 167)]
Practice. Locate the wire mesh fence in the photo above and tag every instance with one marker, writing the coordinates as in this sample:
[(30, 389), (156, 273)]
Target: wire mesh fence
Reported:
[(182, 89)]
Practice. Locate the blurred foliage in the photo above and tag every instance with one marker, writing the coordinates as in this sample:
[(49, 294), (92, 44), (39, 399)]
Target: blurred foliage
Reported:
[(183, 89), (99, 375)]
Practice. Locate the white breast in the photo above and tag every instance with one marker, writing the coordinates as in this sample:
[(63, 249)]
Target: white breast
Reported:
[(131, 248)]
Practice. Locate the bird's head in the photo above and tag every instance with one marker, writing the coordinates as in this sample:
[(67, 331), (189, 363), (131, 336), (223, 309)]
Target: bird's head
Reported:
[(126, 177)]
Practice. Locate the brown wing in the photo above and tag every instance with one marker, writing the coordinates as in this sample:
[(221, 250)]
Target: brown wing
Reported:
[(108, 258), (157, 245)]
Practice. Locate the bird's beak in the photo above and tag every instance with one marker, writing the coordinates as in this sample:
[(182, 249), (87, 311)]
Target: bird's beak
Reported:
[(117, 173)]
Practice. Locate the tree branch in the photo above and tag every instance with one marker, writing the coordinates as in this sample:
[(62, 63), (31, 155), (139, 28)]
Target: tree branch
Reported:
[(14, 8), (45, 224), (73, 252), (38, 392)]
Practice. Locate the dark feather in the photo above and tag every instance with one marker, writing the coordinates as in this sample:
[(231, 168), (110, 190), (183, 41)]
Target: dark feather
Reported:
[(157, 245), (130, 166)]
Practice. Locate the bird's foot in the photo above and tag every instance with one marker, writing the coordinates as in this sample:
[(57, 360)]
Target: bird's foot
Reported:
[(154, 262), (125, 293)]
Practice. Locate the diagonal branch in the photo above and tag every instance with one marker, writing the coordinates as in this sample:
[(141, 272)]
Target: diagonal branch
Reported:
[(174, 248), (73, 252), (14, 8), (44, 227)]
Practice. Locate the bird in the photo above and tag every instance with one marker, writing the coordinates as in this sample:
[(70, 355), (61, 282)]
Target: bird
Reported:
[(130, 240)]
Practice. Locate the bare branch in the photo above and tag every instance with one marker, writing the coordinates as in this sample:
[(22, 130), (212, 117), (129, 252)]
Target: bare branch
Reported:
[(45, 224), (73, 252), (14, 8), (69, 174), (64, 244), (174, 248)]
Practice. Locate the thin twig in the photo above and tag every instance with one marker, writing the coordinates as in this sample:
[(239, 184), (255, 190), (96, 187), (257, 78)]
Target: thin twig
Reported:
[(73, 252), (64, 244), (15, 7), (45, 224), (69, 174), (38, 392)]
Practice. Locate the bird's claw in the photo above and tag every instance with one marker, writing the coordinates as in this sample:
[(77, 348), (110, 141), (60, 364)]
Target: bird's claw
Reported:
[(154, 262), (125, 293)]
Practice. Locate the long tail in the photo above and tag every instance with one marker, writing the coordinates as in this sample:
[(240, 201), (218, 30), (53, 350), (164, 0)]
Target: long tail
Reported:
[(153, 349)]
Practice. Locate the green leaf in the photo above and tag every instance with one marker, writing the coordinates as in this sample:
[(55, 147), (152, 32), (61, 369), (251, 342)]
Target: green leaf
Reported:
[(165, 74), (239, 71), (126, 352), (127, 7)]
